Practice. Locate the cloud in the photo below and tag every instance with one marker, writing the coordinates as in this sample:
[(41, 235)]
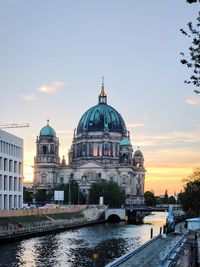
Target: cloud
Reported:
[(30, 97), (52, 88), (193, 101), (170, 138), (134, 125)]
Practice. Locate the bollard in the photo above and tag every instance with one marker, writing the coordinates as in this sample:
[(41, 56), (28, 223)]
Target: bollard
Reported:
[(95, 257), (161, 230), (151, 233)]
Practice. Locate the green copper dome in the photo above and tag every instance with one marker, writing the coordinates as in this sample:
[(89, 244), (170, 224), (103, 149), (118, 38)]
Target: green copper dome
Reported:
[(125, 142), (101, 117), (138, 153), (47, 131)]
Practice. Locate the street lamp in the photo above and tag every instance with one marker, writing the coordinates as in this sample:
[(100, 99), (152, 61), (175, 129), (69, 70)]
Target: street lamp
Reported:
[(130, 174), (69, 192)]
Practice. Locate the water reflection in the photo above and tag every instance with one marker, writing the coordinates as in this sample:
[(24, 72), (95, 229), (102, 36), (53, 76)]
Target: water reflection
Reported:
[(75, 248)]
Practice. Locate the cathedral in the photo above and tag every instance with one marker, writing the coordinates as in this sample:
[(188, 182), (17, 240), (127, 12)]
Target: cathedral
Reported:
[(100, 149)]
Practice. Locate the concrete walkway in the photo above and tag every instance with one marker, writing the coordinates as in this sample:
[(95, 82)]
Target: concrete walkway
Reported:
[(149, 255)]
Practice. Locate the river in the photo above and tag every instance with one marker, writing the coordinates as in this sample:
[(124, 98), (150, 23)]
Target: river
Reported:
[(75, 248)]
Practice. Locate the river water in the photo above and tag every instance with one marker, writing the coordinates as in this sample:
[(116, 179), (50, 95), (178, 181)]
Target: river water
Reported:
[(75, 248)]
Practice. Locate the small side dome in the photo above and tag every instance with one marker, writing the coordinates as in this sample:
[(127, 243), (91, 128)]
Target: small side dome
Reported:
[(47, 130), (125, 142), (138, 153)]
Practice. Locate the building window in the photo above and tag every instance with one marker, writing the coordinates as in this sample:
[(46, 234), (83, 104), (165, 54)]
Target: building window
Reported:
[(15, 166), (20, 185), (5, 164), (44, 149), (15, 183), (10, 165), (10, 183), (5, 182), (1, 182), (20, 168)]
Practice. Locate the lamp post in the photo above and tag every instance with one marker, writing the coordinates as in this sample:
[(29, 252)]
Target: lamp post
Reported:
[(69, 193), (130, 174)]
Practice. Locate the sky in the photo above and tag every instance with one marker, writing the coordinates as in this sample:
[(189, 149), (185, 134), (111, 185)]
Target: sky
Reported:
[(53, 54)]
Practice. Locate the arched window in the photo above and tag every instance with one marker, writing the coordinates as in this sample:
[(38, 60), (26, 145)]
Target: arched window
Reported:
[(44, 149)]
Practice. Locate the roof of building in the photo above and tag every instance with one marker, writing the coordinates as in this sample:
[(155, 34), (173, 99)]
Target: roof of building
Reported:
[(138, 153), (125, 142), (47, 130), (101, 118)]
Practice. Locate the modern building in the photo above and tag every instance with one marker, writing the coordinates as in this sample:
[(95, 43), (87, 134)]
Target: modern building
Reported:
[(101, 149), (11, 171)]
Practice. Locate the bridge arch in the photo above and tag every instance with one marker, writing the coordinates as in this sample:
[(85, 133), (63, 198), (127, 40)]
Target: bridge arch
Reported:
[(115, 215), (114, 218)]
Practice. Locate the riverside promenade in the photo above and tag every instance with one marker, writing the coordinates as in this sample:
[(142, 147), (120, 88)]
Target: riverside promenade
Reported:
[(22, 227), (175, 249)]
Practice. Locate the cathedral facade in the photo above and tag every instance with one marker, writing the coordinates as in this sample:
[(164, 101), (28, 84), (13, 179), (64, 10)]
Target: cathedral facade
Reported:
[(101, 149)]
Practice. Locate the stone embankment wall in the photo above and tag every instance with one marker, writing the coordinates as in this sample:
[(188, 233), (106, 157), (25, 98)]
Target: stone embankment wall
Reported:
[(92, 213), (30, 212)]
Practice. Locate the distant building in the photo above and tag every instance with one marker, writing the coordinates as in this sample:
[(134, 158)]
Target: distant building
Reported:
[(101, 149), (11, 171)]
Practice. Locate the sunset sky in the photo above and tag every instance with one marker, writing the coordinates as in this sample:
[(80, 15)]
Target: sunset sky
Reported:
[(53, 54)]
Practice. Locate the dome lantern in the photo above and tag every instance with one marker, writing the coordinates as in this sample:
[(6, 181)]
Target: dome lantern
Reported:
[(102, 96)]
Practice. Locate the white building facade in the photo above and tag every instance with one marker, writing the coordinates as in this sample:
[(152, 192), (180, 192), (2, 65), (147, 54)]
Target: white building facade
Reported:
[(101, 149), (11, 171)]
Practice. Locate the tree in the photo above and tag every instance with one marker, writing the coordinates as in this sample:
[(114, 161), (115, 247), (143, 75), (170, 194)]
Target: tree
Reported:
[(111, 191), (190, 197), (150, 199), (192, 1), (27, 195), (42, 197), (75, 196), (192, 61), (171, 200), (165, 199)]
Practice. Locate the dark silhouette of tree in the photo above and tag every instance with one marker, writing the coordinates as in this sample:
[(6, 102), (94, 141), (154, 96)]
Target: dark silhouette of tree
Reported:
[(150, 199), (192, 1), (111, 191), (165, 199), (192, 59), (27, 195), (190, 197), (171, 200)]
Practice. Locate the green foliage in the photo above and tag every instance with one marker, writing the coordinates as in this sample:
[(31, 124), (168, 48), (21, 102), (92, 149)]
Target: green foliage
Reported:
[(165, 200), (27, 195), (150, 199), (192, 1), (41, 196), (111, 191), (190, 197), (171, 200), (75, 195), (192, 60)]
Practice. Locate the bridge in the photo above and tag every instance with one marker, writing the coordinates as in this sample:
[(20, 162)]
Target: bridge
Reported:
[(133, 213), (115, 215)]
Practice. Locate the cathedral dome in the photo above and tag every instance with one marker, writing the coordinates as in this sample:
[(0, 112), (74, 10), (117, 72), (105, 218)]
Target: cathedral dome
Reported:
[(101, 118), (47, 131), (138, 153)]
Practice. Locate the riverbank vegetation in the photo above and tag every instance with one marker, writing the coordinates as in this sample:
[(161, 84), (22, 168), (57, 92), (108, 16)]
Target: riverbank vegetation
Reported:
[(190, 197)]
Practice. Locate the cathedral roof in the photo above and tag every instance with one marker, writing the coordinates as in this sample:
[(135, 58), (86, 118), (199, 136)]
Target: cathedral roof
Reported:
[(47, 130), (125, 142), (101, 117), (138, 153)]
